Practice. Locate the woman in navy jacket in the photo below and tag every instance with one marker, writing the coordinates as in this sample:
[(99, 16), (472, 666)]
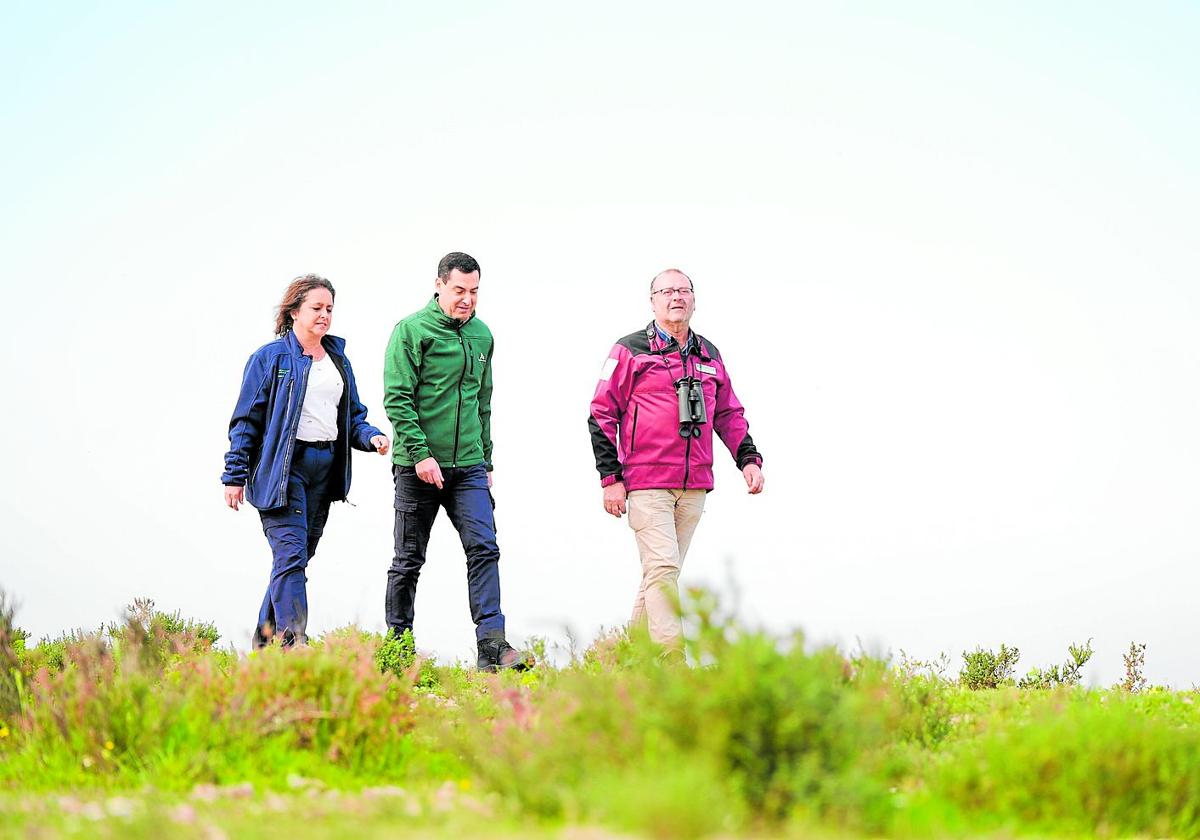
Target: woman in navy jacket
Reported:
[(296, 418)]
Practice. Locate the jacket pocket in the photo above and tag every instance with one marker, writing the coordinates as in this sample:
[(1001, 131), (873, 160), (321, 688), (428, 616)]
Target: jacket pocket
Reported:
[(633, 430)]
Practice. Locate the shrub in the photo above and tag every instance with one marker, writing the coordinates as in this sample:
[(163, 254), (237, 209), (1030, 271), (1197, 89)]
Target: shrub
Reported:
[(123, 711), (1068, 674), (1135, 664), (763, 735), (165, 633), (397, 655), (1081, 765), (12, 643), (984, 669), (764, 731), (51, 653)]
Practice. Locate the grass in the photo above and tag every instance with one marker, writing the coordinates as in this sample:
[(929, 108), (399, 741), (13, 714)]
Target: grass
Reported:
[(146, 727)]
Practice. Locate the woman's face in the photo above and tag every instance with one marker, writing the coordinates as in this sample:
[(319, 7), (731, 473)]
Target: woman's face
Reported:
[(314, 314)]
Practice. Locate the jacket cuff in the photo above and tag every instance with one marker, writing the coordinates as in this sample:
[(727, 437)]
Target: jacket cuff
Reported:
[(610, 479), (753, 459), (364, 438), (420, 454)]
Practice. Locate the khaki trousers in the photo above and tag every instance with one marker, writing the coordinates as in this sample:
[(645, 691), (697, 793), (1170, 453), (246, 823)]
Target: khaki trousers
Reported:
[(663, 522)]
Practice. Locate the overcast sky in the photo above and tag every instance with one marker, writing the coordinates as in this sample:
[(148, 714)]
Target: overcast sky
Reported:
[(949, 254)]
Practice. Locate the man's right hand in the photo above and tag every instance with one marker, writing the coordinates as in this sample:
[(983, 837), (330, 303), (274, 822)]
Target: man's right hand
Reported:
[(614, 498), (430, 472), (234, 496)]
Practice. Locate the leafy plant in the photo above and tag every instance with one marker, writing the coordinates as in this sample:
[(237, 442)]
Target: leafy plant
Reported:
[(764, 735), (1079, 768), (12, 644), (397, 655), (1135, 664), (166, 628), (1066, 674), (934, 668), (985, 669)]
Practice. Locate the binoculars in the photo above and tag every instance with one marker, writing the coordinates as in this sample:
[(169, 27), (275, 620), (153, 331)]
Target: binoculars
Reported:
[(691, 406)]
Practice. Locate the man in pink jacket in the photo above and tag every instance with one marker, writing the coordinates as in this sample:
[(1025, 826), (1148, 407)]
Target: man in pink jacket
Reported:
[(662, 392)]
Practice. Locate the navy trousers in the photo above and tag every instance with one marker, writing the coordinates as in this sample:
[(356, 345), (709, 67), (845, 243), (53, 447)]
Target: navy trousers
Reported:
[(293, 532), (468, 503)]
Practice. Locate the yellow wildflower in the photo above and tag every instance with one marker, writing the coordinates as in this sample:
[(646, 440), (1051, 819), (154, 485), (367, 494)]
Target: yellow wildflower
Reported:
[(108, 745), (3, 731)]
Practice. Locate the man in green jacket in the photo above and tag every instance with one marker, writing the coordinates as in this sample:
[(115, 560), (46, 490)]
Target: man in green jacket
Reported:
[(437, 385)]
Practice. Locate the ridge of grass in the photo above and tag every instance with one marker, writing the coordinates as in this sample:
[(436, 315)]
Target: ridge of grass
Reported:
[(762, 735)]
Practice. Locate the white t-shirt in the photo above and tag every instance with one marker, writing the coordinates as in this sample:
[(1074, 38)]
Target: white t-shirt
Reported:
[(318, 412)]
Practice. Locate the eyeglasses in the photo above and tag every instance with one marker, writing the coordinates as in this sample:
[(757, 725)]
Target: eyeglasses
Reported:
[(667, 294)]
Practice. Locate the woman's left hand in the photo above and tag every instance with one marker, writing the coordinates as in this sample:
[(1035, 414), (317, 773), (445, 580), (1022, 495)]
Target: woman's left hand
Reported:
[(381, 444)]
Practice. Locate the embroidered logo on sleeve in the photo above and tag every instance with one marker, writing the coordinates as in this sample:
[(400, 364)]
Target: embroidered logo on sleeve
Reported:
[(482, 357), (609, 366), (706, 369)]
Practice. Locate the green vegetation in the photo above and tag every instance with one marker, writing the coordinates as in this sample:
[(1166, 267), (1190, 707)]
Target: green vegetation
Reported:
[(144, 728)]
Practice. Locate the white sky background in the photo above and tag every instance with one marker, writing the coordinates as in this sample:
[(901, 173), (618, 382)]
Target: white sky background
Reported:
[(949, 255)]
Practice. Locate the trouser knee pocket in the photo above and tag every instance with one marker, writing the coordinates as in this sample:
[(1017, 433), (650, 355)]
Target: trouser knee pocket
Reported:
[(407, 527)]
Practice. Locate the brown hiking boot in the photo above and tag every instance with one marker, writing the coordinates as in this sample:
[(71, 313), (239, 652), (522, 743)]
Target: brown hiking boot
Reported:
[(495, 654)]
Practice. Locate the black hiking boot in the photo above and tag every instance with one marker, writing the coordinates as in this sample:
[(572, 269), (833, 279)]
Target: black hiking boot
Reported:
[(263, 636), (495, 654)]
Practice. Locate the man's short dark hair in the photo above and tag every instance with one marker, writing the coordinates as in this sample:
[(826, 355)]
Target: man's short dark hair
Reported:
[(457, 259)]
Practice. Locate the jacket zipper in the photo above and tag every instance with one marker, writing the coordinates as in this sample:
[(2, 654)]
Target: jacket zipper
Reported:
[(291, 444), (287, 452), (458, 410), (687, 451), (687, 461), (345, 401)]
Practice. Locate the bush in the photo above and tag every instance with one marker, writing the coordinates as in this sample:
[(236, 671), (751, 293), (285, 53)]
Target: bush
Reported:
[(12, 645), (1068, 674), (163, 634), (49, 653), (397, 655), (156, 636), (1083, 764), (764, 731), (762, 735), (1135, 664), (120, 712), (984, 669)]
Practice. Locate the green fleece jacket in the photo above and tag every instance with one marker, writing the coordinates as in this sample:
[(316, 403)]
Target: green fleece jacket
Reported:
[(437, 389)]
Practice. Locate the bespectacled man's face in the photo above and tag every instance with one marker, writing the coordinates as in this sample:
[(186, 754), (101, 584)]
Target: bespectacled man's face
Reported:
[(672, 299), (458, 294)]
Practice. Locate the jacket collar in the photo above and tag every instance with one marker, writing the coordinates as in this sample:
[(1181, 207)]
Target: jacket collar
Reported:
[(661, 342), (435, 312), (331, 343)]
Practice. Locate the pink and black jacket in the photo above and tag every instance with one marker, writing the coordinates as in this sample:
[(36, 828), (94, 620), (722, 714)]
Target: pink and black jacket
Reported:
[(635, 415)]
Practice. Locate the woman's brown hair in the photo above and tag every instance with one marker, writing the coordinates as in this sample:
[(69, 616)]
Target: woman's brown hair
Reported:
[(293, 296)]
